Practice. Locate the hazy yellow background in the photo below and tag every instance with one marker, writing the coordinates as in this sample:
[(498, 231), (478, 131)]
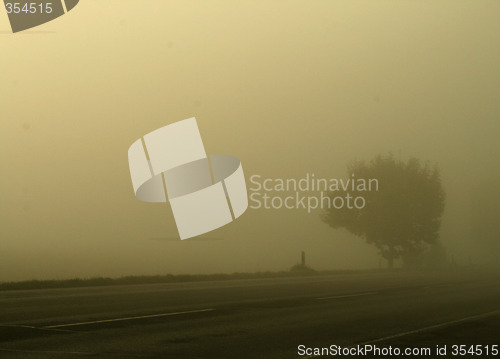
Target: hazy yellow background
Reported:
[(288, 87)]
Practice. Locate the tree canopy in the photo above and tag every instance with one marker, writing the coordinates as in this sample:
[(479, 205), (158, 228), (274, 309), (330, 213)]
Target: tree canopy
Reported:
[(403, 217)]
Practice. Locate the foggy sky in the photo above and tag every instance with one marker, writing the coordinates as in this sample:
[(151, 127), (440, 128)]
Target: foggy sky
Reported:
[(288, 87)]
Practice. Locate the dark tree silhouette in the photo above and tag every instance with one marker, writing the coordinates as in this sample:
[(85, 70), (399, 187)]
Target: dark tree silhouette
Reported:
[(485, 217), (403, 217)]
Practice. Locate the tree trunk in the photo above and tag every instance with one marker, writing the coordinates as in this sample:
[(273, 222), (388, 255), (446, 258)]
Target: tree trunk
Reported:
[(390, 254), (390, 262)]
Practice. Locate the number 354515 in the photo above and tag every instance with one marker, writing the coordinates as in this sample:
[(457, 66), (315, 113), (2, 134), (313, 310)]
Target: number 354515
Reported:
[(28, 8)]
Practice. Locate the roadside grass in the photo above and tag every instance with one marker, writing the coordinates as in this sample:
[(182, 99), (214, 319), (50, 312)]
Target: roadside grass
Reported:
[(296, 271)]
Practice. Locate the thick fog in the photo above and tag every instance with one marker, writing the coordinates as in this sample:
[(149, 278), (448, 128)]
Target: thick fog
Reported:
[(288, 87)]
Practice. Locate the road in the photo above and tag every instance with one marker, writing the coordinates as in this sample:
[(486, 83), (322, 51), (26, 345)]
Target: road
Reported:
[(260, 318)]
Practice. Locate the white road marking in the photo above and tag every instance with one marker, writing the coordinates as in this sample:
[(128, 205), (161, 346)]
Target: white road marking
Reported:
[(436, 326), (17, 326), (128, 318), (431, 327), (348, 295)]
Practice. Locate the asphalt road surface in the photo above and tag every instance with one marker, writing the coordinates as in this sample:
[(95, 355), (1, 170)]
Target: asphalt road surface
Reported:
[(261, 318)]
